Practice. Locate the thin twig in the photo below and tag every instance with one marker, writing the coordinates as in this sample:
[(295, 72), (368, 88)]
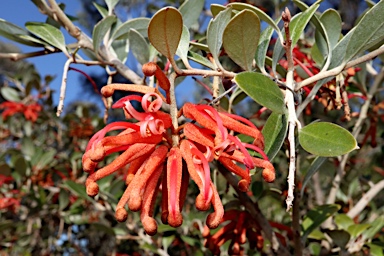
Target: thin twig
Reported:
[(63, 87), (20, 56)]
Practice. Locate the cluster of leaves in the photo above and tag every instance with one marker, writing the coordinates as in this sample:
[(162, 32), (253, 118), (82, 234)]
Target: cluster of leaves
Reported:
[(40, 158)]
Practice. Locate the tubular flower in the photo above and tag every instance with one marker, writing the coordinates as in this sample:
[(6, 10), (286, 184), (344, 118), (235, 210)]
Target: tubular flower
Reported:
[(155, 165)]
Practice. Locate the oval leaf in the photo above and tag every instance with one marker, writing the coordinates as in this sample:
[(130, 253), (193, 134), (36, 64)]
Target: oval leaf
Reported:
[(100, 30), (122, 31), (326, 139), (262, 90), (182, 49), (241, 37), (190, 10), (164, 31), (48, 33), (10, 94), (215, 32), (139, 46), (16, 33), (274, 132)]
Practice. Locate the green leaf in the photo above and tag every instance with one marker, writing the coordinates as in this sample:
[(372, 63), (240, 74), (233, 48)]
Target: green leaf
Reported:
[(274, 132), (10, 94), (343, 221), (215, 32), (257, 188), (122, 31), (48, 33), (326, 139), (100, 30), (139, 46), (182, 49), (46, 159), (20, 165), (311, 171), (76, 188), (241, 37), (262, 90), (331, 21), (200, 59), (63, 199), (216, 9), (357, 229), (365, 30), (103, 12), (121, 49), (111, 4), (375, 228), (190, 10), (316, 217), (14, 33), (297, 28), (164, 31), (262, 48), (375, 250), (261, 14), (339, 237)]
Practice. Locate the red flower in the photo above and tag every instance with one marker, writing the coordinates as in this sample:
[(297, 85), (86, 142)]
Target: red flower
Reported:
[(155, 164), (30, 112)]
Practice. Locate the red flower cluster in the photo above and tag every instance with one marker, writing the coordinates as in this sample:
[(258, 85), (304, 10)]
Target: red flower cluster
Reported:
[(156, 163), (9, 203), (30, 112)]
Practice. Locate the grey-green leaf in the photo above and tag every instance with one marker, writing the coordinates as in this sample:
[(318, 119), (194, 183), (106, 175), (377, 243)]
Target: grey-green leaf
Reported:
[(48, 33), (14, 33), (262, 15), (191, 10), (200, 59), (122, 31), (164, 31), (111, 3), (262, 48), (241, 37), (274, 132), (262, 90), (10, 94), (139, 46), (100, 30), (103, 12), (365, 30), (215, 32), (182, 49), (326, 139), (298, 27)]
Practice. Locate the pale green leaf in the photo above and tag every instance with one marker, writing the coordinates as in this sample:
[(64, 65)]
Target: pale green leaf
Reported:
[(139, 46), (10, 94), (326, 139), (215, 32), (262, 48), (111, 4), (241, 37), (15, 33), (122, 31), (357, 229), (191, 10), (121, 49), (182, 49), (77, 189), (216, 9), (103, 12), (48, 33), (297, 28), (375, 228), (274, 132), (200, 59), (365, 30), (315, 165), (331, 21), (262, 90), (343, 221), (262, 15), (164, 31), (100, 30)]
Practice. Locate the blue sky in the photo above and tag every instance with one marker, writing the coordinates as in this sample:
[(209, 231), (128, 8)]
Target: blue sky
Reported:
[(21, 11)]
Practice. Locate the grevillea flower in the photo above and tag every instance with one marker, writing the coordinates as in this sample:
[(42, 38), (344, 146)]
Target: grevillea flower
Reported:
[(155, 164), (30, 112)]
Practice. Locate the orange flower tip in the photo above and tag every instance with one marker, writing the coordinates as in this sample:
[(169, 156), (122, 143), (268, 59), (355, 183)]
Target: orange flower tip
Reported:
[(89, 165), (97, 154), (269, 175), (134, 203), (202, 204), (129, 178), (206, 232), (164, 217), (121, 215), (243, 185), (235, 250), (213, 221), (150, 225), (149, 68), (175, 220), (107, 91), (92, 189)]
